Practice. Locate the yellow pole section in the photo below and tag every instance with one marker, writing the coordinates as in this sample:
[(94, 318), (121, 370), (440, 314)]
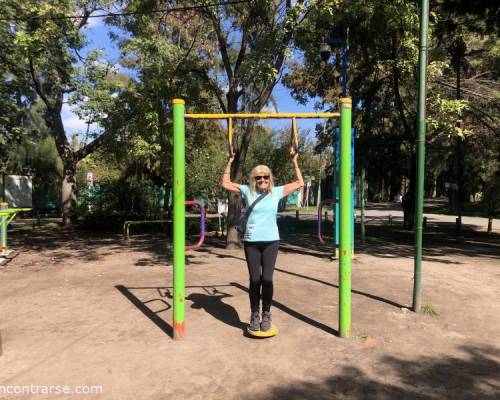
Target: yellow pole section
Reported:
[(263, 116), (295, 137), (230, 136)]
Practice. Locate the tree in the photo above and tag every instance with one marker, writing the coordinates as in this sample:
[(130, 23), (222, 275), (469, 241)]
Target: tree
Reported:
[(382, 68), (382, 73), (467, 38), (15, 94), (234, 52), (49, 46)]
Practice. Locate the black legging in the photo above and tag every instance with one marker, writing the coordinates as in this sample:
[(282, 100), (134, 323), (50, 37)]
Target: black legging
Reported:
[(261, 257)]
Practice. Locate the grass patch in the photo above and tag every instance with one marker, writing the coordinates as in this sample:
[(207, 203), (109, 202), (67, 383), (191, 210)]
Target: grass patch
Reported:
[(362, 336), (430, 310)]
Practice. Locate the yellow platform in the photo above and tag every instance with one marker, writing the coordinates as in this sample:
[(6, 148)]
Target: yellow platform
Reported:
[(271, 332)]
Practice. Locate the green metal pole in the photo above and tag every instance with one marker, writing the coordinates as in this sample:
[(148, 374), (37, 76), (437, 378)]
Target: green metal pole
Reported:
[(345, 245), (419, 198), (3, 221), (4, 217), (179, 219)]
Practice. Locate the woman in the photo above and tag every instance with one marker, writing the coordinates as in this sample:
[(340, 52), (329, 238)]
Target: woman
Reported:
[(261, 238)]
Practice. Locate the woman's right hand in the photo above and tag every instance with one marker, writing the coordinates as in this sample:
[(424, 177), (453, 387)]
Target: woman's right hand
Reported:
[(230, 158)]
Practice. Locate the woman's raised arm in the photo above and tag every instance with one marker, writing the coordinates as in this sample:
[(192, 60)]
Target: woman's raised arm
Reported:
[(226, 178), (299, 182)]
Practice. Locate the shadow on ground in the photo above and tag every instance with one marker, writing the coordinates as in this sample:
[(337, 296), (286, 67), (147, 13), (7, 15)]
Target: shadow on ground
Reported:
[(147, 299), (474, 376), (207, 298)]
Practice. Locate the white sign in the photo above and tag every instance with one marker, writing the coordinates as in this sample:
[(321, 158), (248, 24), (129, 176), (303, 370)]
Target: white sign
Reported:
[(221, 206)]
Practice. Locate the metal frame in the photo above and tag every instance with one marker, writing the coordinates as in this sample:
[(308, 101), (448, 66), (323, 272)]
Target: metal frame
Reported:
[(179, 117)]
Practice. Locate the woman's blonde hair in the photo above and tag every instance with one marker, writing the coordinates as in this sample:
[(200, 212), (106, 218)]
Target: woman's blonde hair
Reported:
[(258, 171)]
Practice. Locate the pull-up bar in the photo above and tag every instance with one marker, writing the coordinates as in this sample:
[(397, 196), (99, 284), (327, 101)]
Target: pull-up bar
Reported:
[(179, 117), (263, 116)]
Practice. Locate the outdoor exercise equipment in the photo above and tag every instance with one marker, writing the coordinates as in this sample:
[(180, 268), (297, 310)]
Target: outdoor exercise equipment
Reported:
[(7, 215), (230, 147), (294, 138), (179, 117), (128, 224), (336, 191), (178, 108), (263, 334)]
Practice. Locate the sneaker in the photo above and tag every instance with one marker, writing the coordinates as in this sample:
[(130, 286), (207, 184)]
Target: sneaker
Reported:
[(265, 325), (254, 321)]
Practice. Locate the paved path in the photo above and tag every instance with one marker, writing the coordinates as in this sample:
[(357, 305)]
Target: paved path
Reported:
[(381, 211)]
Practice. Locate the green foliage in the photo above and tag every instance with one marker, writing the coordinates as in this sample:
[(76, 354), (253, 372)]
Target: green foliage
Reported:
[(41, 161), (272, 148), (383, 49), (203, 173), (447, 116), (229, 58)]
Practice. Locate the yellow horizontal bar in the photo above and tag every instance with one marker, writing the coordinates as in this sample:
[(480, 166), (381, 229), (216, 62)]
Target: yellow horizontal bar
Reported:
[(9, 211), (263, 116)]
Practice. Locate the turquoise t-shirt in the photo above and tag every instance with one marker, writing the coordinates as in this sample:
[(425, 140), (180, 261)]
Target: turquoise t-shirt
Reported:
[(262, 226)]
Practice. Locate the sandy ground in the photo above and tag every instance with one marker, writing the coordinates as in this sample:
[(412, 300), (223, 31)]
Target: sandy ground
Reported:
[(93, 309)]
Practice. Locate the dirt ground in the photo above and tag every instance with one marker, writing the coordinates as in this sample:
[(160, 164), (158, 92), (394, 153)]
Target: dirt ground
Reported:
[(81, 308)]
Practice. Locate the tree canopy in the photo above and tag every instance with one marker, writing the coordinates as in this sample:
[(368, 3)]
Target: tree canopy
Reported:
[(229, 57)]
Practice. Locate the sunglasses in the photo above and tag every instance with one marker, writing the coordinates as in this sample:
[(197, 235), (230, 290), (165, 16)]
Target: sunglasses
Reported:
[(260, 177)]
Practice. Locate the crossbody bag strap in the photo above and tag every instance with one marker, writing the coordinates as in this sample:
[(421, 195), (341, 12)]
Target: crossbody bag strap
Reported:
[(255, 203)]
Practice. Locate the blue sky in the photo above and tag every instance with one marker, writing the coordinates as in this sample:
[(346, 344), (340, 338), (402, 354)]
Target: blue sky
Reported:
[(97, 34)]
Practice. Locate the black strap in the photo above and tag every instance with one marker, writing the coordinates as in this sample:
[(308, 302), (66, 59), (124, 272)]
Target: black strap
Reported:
[(242, 224), (249, 210)]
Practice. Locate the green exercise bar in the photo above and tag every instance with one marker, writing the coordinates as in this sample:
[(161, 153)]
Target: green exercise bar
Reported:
[(345, 245), (179, 218), (6, 217)]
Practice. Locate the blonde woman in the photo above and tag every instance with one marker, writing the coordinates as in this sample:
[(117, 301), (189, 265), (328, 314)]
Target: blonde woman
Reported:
[(261, 238)]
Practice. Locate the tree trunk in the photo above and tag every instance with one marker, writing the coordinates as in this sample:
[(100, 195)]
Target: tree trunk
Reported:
[(234, 203), (69, 160), (233, 215), (68, 193)]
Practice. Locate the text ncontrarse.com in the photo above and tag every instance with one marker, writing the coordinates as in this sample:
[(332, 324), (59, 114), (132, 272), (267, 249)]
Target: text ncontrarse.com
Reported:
[(51, 389)]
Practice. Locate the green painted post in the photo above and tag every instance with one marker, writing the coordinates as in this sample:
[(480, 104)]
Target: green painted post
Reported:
[(4, 217), (179, 219), (419, 198), (345, 245), (4, 234)]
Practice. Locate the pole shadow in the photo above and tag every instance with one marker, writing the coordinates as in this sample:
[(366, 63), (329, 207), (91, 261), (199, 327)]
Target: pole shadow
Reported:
[(212, 303), (370, 296), (295, 314), (160, 323)]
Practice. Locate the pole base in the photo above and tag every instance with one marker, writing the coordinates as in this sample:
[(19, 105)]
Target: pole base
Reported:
[(179, 330)]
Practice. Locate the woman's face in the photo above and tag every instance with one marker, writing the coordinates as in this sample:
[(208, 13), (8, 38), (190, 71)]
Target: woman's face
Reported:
[(262, 180)]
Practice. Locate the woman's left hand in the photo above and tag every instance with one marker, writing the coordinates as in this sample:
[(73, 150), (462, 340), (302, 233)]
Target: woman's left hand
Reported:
[(294, 155)]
